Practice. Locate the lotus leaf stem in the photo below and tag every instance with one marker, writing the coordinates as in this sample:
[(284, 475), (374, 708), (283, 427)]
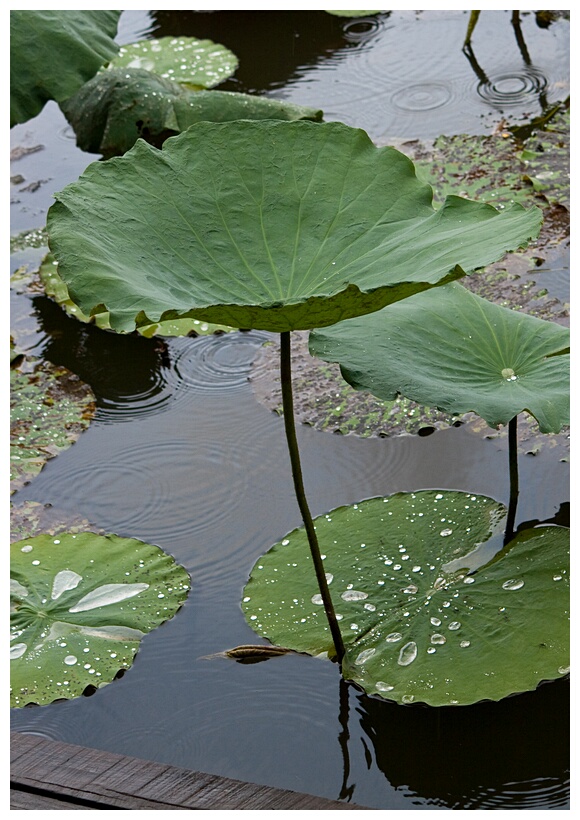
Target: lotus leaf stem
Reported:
[(290, 427), (514, 481)]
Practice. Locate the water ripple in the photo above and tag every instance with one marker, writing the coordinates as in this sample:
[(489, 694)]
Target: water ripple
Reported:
[(513, 88), (213, 362)]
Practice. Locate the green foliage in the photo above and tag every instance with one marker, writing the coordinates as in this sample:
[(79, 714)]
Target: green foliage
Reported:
[(80, 604), (57, 290), (267, 225), (115, 108), (454, 350), (428, 612), (53, 53), (196, 63)]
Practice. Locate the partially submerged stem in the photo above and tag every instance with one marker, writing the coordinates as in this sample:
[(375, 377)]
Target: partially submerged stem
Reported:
[(288, 408), (514, 480)]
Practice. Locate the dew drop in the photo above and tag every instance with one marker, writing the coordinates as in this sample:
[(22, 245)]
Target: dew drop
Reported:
[(563, 670), (454, 625), (557, 578), (464, 644), (17, 651), (513, 583), (438, 639), (370, 607), (70, 660), (329, 577), (35, 563), (393, 637), (438, 497), (436, 621), (381, 686), (364, 656), (407, 654), (27, 548), (317, 599), (63, 581), (411, 589), (431, 650), (354, 595), (469, 580), (408, 698), (445, 532)]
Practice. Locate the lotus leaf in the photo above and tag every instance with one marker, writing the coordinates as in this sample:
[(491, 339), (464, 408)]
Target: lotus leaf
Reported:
[(116, 107), (267, 225), (456, 351), (57, 290), (80, 604), (53, 53), (429, 612), (198, 63)]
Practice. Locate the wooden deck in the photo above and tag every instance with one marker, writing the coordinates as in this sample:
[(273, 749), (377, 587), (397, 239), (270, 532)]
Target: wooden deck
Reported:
[(49, 775)]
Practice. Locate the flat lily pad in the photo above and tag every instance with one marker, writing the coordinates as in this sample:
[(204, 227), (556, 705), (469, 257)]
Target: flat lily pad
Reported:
[(456, 351), (49, 409), (198, 63), (80, 605), (429, 611), (266, 225)]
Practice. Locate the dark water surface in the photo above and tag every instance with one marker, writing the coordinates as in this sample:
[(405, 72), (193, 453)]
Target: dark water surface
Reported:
[(180, 454)]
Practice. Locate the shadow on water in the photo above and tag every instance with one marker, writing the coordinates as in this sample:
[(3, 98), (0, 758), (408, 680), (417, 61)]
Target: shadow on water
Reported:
[(513, 754)]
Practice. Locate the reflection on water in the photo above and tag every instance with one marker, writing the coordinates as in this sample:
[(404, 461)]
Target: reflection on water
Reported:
[(180, 454), (400, 74)]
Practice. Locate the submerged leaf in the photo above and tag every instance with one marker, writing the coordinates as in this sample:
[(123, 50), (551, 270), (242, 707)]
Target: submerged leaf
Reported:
[(266, 225), (49, 409), (454, 350), (252, 653), (80, 604), (428, 608)]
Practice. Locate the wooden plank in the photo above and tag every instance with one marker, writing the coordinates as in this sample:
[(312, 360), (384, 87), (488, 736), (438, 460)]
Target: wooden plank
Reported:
[(63, 776), (37, 802)]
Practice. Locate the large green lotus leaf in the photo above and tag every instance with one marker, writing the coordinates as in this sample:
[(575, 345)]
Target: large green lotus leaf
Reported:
[(110, 112), (57, 290), (80, 604), (199, 63), (268, 225), (53, 53), (452, 349), (420, 621)]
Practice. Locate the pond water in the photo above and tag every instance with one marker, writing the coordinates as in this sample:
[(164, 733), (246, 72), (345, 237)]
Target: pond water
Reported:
[(182, 455)]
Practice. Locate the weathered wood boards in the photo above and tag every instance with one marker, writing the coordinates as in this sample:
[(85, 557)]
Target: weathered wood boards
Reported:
[(47, 774)]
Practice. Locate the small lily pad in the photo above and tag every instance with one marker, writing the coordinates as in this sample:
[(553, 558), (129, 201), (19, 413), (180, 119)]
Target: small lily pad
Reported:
[(456, 351), (80, 605), (187, 60), (429, 610)]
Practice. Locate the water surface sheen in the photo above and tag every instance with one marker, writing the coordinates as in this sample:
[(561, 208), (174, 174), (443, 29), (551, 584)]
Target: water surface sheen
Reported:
[(180, 454)]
